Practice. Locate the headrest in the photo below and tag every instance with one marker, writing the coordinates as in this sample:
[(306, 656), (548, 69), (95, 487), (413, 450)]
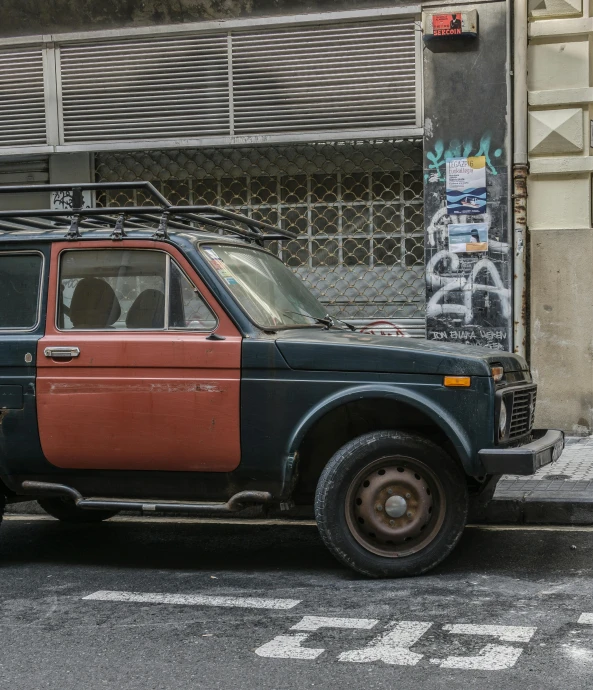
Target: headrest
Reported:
[(147, 311), (94, 304)]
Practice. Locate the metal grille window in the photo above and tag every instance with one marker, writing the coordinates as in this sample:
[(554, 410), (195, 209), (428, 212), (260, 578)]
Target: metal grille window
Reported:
[(356, 206)]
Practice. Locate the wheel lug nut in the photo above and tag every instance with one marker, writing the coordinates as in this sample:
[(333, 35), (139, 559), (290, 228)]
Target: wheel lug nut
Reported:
[(379, 507), (390, 491), (392, 522), (409, 515), (408, 495)]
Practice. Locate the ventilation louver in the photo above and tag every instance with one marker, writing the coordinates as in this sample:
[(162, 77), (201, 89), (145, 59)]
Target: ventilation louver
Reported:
[(145, 89), (22, 100), (325, 78)]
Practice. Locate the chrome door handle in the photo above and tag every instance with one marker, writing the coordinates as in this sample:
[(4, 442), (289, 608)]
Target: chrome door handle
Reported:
[(61, 352)]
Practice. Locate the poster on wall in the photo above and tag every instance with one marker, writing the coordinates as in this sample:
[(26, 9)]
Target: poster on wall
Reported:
[(466, 185), (465, 238)]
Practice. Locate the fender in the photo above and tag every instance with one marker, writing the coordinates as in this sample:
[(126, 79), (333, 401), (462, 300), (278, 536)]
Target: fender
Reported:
[(450, 427)]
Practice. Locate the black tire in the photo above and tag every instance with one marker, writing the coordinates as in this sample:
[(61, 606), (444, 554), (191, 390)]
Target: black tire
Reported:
[(412, 473), (63, 509)]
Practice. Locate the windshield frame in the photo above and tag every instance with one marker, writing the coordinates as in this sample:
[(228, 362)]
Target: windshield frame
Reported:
[(267, 329)]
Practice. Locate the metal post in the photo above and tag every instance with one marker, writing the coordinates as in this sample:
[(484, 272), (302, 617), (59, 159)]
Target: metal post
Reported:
[(520, 172)]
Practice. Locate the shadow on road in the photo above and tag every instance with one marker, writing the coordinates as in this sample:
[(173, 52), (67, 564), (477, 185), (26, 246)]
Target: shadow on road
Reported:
[(207, 547)]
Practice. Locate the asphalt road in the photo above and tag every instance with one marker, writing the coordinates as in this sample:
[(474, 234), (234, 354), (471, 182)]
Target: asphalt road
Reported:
[(159, 604)]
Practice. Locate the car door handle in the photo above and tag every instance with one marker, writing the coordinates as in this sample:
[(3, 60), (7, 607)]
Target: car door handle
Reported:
[(61, 352)]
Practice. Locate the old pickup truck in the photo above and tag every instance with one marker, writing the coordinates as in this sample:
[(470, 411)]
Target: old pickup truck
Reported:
[(159, 358)]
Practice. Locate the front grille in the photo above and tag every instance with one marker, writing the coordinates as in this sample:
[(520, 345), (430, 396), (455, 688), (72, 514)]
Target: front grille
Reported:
[(523, 411)]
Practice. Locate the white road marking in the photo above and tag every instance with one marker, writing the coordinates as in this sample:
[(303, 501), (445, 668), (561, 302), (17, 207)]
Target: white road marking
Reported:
[(491, 657), (505, 633), (392, 647), (313, 623), (194, 600), (289, 646), (586, 619)]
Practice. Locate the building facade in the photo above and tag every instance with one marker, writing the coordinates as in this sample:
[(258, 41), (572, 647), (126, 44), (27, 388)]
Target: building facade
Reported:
[(336, 123), (559, 210)]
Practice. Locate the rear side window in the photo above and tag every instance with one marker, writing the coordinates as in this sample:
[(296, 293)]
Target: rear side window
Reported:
[(121, 289), (20, 282)]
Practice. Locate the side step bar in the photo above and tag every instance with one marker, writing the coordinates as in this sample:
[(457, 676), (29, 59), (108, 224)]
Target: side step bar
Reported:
[(235, 503)]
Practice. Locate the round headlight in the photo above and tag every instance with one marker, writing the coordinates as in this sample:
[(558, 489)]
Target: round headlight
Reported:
[(502, 420)]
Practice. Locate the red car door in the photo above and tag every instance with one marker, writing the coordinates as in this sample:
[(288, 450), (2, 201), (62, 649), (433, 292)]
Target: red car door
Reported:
[(128, 376)]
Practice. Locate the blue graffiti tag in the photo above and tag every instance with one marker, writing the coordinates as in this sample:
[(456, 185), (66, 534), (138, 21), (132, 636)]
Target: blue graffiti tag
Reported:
[(458, 149)]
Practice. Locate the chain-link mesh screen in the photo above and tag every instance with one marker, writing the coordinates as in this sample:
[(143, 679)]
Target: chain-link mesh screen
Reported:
[(357, 208)]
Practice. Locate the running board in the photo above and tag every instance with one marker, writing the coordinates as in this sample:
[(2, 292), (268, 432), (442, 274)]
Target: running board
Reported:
[(235, 503)]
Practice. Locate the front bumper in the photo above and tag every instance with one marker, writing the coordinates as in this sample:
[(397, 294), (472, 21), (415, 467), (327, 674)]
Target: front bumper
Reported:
[(546, 447)]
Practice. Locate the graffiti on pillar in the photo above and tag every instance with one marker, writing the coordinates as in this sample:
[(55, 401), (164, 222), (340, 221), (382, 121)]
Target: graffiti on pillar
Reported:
[(465, 294), (468, 295), (439, 154)]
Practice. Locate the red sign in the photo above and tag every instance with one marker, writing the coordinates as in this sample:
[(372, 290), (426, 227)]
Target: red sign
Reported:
[(446, 24)]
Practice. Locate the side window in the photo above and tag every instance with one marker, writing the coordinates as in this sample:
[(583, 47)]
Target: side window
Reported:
[(20, 281), (126, 289), (112, 289), (187, 308)]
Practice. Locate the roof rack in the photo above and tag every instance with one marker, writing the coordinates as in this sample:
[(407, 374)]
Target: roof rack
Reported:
[(161, 216)]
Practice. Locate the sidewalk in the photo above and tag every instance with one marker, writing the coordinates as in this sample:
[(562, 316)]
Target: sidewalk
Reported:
[(561, 493)]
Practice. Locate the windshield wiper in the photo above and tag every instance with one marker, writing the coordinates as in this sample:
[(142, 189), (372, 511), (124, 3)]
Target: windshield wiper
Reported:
[(327, 320), (348, 325)]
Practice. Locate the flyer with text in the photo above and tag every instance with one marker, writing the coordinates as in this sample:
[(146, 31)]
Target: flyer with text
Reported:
[(466, 185)]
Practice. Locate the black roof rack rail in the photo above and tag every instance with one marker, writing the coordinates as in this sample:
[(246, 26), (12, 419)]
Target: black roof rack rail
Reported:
[(161, 216)]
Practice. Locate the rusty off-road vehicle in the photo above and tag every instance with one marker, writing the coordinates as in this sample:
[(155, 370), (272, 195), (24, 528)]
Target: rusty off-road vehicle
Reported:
[(158, 358)]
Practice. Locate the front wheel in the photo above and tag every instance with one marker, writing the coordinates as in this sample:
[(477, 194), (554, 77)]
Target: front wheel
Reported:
[(65, 510), (391, 504)]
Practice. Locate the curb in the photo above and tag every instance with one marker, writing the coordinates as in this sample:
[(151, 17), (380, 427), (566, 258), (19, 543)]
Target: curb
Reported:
[(537, 511)]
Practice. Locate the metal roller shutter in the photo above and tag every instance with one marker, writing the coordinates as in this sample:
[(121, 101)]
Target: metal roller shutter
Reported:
[(22, 99), (173, 87), (302, 79), (325, 78), (24, 170)]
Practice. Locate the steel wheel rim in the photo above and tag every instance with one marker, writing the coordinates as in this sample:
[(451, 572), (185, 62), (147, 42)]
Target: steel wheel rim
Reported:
[(395, 506)]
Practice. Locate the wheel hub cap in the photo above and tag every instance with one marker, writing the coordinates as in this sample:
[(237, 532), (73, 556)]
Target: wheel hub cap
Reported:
[(396, 506), (391, 507)]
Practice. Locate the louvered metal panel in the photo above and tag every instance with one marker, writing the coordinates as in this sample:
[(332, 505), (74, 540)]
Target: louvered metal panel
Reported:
[(327, 77), (145, 89), (22, 99)]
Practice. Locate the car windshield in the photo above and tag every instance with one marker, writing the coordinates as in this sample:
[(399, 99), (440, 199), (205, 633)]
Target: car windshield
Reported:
[(268, 291)]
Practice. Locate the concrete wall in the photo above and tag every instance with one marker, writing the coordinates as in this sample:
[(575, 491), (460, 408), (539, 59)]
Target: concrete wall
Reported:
[(21, 17), (466, 114), (559, 212)]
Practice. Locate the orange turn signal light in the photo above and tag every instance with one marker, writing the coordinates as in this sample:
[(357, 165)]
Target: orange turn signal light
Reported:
[(458, 381)]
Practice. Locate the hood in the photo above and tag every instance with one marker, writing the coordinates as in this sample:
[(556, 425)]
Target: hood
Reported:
[(316, 349)]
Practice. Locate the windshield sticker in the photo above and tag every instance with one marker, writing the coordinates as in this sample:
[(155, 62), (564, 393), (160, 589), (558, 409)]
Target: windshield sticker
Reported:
[(220, 267), (211, 253)]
